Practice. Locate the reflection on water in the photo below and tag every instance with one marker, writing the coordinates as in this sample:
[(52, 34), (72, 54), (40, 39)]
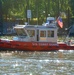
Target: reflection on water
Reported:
[(37, 63)]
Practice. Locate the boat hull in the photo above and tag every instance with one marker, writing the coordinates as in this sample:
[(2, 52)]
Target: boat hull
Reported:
[(33, 46)]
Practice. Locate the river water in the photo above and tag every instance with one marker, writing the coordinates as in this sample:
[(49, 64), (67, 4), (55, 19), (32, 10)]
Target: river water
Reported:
[(37, 63)]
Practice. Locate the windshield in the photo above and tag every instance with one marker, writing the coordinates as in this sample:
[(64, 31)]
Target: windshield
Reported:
[(21, 32), (31, 33)]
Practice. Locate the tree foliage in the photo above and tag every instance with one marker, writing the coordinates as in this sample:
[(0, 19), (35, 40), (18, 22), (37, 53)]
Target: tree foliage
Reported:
[(18, 8)]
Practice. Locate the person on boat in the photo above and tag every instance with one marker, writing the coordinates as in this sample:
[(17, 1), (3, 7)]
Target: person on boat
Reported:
[(48, 22), (69, 42)]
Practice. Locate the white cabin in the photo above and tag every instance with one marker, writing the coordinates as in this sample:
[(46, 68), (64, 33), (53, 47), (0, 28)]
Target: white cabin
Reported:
[(36, 33)]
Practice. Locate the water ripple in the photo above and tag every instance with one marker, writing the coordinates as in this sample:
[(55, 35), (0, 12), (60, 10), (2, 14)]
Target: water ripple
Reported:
[(37, 63)]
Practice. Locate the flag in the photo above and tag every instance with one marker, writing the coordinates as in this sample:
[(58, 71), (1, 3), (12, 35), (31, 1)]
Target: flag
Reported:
[(59, 21)]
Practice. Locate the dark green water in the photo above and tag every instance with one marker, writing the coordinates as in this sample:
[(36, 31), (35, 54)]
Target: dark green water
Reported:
[(37, 63)]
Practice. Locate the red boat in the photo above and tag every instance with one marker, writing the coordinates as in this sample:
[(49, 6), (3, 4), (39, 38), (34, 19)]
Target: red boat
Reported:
[(36, 38)]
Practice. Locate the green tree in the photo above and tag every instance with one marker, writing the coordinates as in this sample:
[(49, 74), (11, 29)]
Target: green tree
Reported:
[(18, 8), (71, 2), (1, 18)]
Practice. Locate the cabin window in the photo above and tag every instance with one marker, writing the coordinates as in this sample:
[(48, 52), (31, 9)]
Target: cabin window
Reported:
[(31, 33), (50, 33), (42, 33), (21, 32)]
